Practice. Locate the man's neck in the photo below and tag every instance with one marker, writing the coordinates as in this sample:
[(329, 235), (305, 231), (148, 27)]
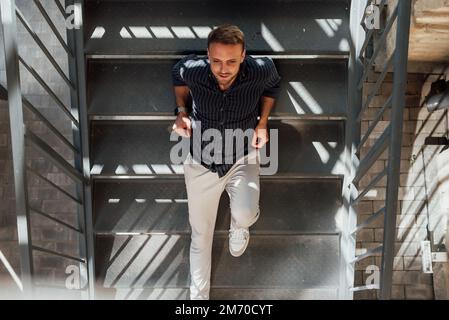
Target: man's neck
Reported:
[(228, 85)]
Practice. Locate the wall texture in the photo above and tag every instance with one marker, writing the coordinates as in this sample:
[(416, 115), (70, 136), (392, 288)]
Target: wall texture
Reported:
[(42, 196), (421, 212)]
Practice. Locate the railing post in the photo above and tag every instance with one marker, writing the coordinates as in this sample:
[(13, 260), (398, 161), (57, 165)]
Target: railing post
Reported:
[(394, 159), (8, 18), (352, 139), (75, 41)]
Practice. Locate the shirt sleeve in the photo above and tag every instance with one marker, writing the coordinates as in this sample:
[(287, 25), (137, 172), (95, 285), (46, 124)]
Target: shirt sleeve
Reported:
[(179, 72), (273, 84)]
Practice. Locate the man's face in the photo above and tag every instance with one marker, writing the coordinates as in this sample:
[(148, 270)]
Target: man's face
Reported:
[(225, 61)]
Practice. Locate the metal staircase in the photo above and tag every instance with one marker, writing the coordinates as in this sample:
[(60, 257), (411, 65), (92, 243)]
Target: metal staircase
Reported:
[(140, 208), (303, 246)]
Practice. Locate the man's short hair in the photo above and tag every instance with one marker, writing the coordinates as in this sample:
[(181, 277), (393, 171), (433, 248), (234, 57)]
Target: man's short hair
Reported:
[(226, 34)]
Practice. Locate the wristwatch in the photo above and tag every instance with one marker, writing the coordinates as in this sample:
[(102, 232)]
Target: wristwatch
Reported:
[(180, 109)]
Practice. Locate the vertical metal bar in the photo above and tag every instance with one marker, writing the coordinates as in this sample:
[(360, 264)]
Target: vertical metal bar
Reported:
[(398, 102), (75, 40), (352, 139), (8, 17)]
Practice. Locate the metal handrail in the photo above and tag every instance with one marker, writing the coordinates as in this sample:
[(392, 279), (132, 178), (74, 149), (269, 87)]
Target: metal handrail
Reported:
[(61, 8), (30, 107), (52, 26), (44, 49), (367, 254), (54, 185), (59, 254), (373, 125), (53, 156), (373, 154), (49, 91), (377, 87), (382, 41), (370, 186), (59, 221), (390, 139), (368, 221), (21, 135), (370, 32)]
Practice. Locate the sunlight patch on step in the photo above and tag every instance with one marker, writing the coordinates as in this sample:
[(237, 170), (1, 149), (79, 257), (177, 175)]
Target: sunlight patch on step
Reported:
[(322, 152), (141, 169), (202, 31), (305, 95), (295, 103), (161, 169), (163, 200), (178, 168), (162, 32), (329, 26), (125, 33), (98, 33), (339, 166), (121, 169), (141, 32), (97, 169), (270, 39), (183, 32), (343, 45)]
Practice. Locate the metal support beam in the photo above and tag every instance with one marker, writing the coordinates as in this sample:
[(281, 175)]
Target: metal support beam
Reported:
[(397, 115), (9, 24), (77, 73), (352, 139)]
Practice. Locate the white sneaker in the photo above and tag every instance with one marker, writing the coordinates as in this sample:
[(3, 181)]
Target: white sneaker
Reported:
[(238, 240)]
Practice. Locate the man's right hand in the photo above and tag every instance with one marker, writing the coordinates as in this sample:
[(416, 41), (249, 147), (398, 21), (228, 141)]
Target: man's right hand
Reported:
[(182, 125)]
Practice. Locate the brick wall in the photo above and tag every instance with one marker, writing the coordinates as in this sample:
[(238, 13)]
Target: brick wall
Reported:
[(420, 211), (42, 196)]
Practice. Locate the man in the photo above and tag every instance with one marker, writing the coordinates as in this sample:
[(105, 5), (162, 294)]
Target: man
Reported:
[(227, 91)]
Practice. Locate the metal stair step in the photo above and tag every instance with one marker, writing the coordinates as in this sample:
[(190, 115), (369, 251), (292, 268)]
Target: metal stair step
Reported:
[(220, 294), (160, 206), (120, 88), (143, 148), (145, 27), (275, 262)]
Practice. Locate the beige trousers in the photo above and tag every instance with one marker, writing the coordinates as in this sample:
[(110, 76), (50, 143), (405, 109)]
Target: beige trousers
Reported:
[(204, 189)]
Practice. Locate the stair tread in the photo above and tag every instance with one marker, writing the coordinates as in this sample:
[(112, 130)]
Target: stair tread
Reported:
[(281, 27), (162, 261), (144, 87), (287, 206), (138, 147)]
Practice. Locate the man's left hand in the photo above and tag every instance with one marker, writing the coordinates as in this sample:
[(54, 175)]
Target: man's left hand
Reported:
[(260, 137)]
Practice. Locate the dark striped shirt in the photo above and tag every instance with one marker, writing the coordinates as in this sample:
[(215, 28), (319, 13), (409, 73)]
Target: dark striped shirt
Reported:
[(235, 108)]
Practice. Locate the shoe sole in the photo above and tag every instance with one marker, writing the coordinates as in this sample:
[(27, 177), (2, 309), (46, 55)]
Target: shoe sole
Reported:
[(242, 251)]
